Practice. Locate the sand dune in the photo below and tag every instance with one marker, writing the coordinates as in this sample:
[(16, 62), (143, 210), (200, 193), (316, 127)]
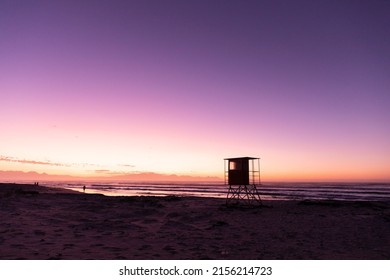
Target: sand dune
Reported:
[(42, 223)]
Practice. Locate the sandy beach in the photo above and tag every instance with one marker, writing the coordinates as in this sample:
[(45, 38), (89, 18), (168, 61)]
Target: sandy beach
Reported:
[(43, 223)]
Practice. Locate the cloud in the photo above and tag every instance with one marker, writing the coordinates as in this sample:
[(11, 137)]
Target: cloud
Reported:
[(127, 165), (25, 161), (102, 171), (103, 166), (99, 168), (111, 172)]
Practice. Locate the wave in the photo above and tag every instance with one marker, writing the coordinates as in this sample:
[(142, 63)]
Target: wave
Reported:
[(335, 191)]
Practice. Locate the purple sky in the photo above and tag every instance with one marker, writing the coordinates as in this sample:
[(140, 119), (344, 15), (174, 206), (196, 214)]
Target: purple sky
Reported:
[(176, 86)]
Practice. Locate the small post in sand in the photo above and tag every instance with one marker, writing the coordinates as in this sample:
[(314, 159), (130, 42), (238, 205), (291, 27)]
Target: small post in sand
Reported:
[(243, 176)]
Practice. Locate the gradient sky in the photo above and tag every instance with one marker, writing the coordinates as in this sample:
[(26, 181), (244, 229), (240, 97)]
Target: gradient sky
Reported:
[(110, 87)]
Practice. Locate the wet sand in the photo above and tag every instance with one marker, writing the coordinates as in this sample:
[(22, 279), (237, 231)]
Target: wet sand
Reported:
[(43, 223)]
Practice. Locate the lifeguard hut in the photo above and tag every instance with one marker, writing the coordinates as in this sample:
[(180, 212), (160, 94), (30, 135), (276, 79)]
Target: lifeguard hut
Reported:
[(243, 176)]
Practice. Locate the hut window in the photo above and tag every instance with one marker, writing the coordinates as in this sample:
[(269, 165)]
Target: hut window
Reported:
[(235, 165)]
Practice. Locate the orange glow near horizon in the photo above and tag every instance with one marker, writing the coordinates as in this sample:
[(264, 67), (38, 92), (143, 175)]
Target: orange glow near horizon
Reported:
[(89, 151), (301, 173)]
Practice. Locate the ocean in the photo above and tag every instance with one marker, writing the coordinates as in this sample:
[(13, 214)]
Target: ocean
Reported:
[(267, 191)]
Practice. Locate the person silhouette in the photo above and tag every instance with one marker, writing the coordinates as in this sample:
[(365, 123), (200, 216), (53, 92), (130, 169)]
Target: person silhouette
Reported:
[(84, 188)]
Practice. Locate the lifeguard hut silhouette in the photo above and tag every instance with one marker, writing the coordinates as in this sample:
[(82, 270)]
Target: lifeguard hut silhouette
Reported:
[(243, 176)]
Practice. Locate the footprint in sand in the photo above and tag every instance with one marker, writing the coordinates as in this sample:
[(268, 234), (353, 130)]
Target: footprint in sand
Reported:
[(170, 249), (68, 246), (39, 232)]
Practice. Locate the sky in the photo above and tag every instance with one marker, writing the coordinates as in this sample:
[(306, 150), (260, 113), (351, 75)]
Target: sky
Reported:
[(173, 87)]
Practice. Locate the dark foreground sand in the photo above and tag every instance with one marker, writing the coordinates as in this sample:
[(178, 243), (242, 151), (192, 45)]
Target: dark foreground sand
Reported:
[(41, 223)]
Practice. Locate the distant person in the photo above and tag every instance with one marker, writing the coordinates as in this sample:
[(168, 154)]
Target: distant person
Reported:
[(84, 188)]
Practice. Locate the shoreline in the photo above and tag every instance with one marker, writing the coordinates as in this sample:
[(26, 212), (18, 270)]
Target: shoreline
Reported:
[(46, 223), (349, 192)]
